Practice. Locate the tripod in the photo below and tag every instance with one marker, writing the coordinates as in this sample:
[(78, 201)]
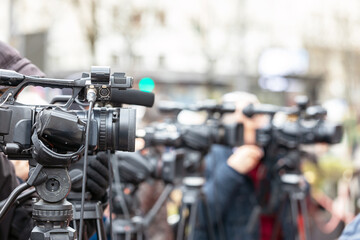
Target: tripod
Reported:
[(52, 213), (92, 211), (288, 190), (189, 208), (134, 228), (293, 196)]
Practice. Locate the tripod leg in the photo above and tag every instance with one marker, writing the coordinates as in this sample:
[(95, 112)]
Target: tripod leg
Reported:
[(305, 217), (208, 218), (294, 216), (276, 227), (139, 235), (181, 227), (74, 220), (100, 229), (192, 220)]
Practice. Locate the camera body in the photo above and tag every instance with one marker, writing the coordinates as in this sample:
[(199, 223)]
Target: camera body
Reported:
[(196, 137), (135, 168), (301, 131), (110, 128), (304, 125)]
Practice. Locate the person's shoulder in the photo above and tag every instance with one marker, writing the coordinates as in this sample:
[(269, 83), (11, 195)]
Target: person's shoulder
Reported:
[(352, 230), (11, 59), (217, 148), (218, 154)]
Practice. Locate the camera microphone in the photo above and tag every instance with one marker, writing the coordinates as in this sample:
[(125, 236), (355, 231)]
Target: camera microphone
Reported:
[(119, 97), (133, 97), (170, 107), (268, 109)]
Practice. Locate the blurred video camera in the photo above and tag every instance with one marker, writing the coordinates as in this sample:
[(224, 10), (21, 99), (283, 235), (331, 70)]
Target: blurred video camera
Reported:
[(196, 137), (305, 125), (136, 168)]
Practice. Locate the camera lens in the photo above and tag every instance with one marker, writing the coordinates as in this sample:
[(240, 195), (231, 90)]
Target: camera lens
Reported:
[(114, 128), (329, 133)]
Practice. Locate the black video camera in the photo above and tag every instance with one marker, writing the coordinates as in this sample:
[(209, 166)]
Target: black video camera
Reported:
[(283, 183), (307, 125), (136, 168), (61, 130), (196, 137)]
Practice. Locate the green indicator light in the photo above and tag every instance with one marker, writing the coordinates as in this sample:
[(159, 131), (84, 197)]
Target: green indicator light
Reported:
[(146, 84)]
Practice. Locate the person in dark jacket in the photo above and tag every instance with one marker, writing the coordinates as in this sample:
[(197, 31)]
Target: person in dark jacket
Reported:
[(11, 59), (229, 188), (8, 182)]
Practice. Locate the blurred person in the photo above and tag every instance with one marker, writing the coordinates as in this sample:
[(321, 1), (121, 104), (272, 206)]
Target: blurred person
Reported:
[(10, 59), (229, 188), (234, 179), (8, 182), (21, 169), (352, 230)]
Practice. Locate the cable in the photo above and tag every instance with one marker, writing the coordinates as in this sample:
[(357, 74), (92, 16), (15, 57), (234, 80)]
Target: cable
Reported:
[(7, 97), (91, 97)]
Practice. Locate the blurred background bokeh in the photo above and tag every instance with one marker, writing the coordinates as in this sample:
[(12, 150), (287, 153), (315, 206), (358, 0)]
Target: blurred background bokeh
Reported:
[(202, 49), (209, 46)]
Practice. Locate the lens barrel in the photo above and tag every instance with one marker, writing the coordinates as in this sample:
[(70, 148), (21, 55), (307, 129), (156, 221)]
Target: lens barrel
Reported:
[(114, 128)]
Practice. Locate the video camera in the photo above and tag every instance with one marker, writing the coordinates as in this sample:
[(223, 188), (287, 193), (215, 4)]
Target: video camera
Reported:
[(282, 182), (61, 130), (210, 106), (308, 125), (135, 167), (53, 136), (196, 137)]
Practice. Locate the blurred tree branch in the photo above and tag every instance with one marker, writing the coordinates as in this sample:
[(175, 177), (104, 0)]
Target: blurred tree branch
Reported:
[(88, 19)]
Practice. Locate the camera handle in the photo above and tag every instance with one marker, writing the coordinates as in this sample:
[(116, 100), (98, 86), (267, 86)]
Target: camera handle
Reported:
[(27, 194), (32, 181)]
